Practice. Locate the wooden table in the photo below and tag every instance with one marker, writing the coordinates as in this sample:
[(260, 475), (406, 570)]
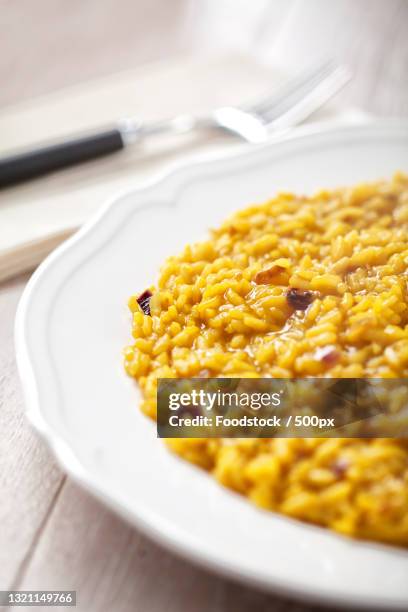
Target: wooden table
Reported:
[(52, 534)]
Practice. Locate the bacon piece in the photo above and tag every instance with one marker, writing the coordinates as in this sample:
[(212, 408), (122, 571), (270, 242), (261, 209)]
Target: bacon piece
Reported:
[(299, 299), (144, 301), (340, 467), (328, 354)]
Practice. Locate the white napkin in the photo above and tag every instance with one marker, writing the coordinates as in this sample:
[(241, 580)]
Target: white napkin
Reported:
[(35, 217)]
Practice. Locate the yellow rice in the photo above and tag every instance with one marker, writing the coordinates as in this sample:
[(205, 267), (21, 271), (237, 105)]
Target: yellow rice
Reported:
[(221, 309)]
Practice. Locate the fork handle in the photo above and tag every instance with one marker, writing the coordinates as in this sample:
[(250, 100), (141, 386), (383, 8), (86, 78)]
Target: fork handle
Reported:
[(37, 162)]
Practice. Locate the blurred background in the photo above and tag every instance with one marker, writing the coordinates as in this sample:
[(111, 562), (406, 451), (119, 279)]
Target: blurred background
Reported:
[(67, 65), (49, 44)]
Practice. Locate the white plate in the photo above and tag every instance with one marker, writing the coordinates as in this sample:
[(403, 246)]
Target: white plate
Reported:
[(73, 322)]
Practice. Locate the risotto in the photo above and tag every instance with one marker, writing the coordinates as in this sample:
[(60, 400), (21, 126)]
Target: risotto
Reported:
[(294, 287)]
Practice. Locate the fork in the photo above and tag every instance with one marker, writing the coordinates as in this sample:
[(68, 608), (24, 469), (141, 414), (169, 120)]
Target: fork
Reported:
[(285, 108)]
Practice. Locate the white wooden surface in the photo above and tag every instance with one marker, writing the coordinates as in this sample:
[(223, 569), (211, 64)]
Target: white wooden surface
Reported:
[(52, 534)]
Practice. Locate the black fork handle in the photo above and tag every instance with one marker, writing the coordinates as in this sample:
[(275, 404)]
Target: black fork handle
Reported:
[(37, 162)]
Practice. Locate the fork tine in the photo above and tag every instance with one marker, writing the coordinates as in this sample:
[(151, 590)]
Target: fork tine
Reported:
[(310, 101), (254, 127), (275, 111), (295, 87)]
